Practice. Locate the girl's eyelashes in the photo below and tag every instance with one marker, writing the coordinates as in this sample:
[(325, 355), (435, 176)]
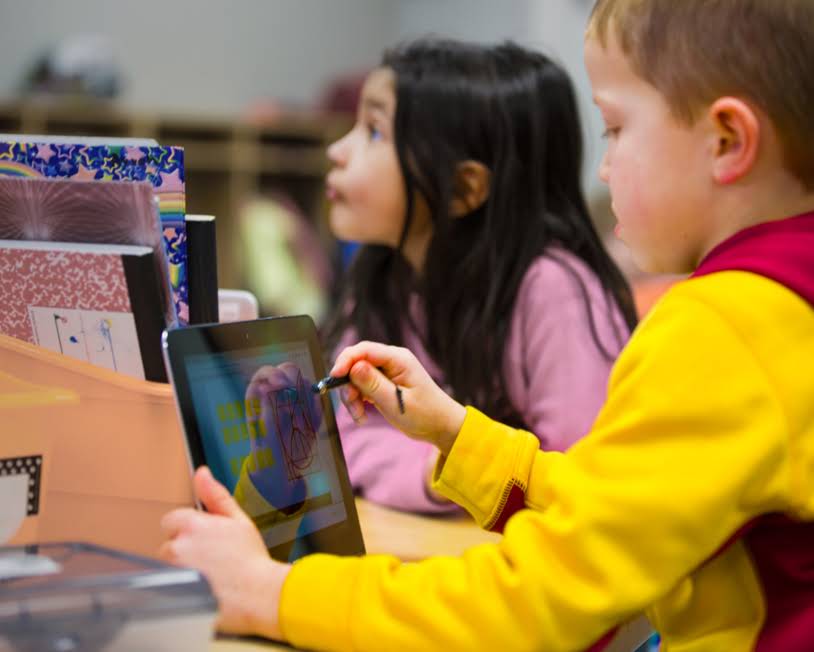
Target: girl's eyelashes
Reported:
[(374, 133), (610, 132)]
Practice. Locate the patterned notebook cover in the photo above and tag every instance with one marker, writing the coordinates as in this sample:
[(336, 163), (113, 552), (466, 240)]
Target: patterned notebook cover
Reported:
[(97, 303), (63, 210), (163, 167)]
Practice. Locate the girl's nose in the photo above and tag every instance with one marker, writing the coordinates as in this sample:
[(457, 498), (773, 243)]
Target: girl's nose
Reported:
[(338, 151)]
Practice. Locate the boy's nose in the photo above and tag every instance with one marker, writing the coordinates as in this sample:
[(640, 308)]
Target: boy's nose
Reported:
[(604, 169)]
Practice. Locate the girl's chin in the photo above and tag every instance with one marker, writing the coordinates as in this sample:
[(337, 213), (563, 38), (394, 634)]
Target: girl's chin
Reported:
[(340, 221), (347, 226), (344, 229)]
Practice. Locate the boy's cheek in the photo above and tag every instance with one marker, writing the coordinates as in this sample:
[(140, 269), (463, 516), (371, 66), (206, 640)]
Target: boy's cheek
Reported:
[(630, 197)]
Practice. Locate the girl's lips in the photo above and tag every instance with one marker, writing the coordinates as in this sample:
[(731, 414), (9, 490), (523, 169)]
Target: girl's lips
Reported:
[(331, 193)]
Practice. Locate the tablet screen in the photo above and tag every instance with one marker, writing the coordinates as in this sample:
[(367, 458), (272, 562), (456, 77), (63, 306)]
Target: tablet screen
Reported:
[(251, 416)]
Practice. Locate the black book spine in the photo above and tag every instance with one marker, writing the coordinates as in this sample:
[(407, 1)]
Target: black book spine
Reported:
[(202, 271), (148, 312)]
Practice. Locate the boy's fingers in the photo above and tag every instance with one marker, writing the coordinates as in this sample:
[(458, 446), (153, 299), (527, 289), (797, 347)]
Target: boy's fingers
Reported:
[(374, 386), (214, 495), (349, 394), (166, 552), (379, 355), (357, 411), (178, 520), (352, 400)]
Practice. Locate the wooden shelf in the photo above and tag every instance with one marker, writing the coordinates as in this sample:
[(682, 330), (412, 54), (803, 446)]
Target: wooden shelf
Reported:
[(303, 161), (227, 160)]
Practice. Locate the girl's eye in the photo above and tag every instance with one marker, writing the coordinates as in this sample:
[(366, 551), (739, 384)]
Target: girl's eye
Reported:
[(610, 132), (374, 132)]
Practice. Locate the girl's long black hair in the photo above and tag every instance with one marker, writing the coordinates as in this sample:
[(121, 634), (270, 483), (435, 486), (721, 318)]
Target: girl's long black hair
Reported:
[(514, 111)]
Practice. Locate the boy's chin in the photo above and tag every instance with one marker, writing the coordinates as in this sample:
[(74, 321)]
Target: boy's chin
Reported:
[(649, 264)]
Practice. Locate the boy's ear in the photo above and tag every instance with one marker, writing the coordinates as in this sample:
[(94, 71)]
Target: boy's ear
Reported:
[(472, 182), (737, 128)]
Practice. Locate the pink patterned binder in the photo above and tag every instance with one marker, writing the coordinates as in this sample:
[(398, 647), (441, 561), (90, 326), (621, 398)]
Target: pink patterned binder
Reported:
[(98, 303)]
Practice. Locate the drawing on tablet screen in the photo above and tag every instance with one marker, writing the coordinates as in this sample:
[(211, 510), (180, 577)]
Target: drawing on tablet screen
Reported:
[(295, 426)]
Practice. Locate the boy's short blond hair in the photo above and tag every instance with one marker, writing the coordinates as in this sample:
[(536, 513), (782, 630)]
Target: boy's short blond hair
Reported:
[(695, 51)]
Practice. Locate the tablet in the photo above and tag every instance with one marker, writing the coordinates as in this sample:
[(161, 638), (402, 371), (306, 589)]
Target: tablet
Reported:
[(244, 397)]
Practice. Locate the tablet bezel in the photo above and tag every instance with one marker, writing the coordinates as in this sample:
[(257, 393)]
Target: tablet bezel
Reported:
[(344, 538)]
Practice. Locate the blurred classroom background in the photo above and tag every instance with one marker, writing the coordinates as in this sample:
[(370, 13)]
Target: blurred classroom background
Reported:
[(254, 90)]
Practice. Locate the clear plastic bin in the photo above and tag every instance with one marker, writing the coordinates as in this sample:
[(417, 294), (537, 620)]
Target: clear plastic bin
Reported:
[(67, 597)]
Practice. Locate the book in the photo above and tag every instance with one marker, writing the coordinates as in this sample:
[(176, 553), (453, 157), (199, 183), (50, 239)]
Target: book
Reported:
[(100, 303), (53, 139), (202, 269), (118, 160), (83, 211)]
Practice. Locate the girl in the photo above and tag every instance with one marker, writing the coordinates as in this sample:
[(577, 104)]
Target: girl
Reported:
[(461, 178)]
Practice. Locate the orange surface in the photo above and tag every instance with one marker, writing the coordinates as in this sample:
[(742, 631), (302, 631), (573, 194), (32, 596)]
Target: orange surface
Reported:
[(114, 459)]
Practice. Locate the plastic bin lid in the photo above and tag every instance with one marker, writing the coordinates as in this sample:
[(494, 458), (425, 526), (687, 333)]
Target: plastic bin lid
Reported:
[(58, 585)]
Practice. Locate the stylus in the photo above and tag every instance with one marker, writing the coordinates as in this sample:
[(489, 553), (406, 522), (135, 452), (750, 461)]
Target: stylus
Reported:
[(331, 382), (328, 383)]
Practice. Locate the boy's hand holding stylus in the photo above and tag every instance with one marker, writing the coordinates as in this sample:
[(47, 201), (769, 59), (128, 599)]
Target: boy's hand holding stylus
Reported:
[(377, 371)]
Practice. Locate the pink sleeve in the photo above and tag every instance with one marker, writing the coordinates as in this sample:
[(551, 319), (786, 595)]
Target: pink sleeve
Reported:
[(386, 466), (556, 374), (556, 379)]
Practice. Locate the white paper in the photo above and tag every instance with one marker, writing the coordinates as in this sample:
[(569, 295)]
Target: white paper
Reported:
[(13, 504), (106, 339), (26, 565)]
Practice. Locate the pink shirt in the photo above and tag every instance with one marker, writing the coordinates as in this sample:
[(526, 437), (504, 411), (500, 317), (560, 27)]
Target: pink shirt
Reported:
[(556, 379)]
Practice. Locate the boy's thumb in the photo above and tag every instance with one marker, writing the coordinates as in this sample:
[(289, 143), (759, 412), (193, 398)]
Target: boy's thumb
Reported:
[(213, 495), (373, 385)]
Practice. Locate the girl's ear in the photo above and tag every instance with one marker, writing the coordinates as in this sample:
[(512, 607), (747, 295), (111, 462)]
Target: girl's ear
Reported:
[(472, 182)]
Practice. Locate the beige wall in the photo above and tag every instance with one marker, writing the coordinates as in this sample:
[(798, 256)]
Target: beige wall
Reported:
[(242, 50)]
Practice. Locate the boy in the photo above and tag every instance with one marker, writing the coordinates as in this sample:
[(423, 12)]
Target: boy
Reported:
[(693, 496)]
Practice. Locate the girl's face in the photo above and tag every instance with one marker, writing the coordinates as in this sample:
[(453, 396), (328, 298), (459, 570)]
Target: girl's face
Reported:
[(365, 184)]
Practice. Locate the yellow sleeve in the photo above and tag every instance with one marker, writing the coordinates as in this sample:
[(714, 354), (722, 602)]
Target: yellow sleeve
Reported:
[(690, 445), (488, 469)]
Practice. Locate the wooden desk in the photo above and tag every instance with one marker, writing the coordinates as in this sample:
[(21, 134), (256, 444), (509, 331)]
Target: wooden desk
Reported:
[(408, 536), (411, 537)]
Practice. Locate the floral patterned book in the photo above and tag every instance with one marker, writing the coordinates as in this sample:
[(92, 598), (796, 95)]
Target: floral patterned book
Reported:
[(99, 303), (129, 160)]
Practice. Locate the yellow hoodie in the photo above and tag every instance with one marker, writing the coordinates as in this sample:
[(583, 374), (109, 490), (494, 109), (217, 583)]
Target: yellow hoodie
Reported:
[(666, 506)]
